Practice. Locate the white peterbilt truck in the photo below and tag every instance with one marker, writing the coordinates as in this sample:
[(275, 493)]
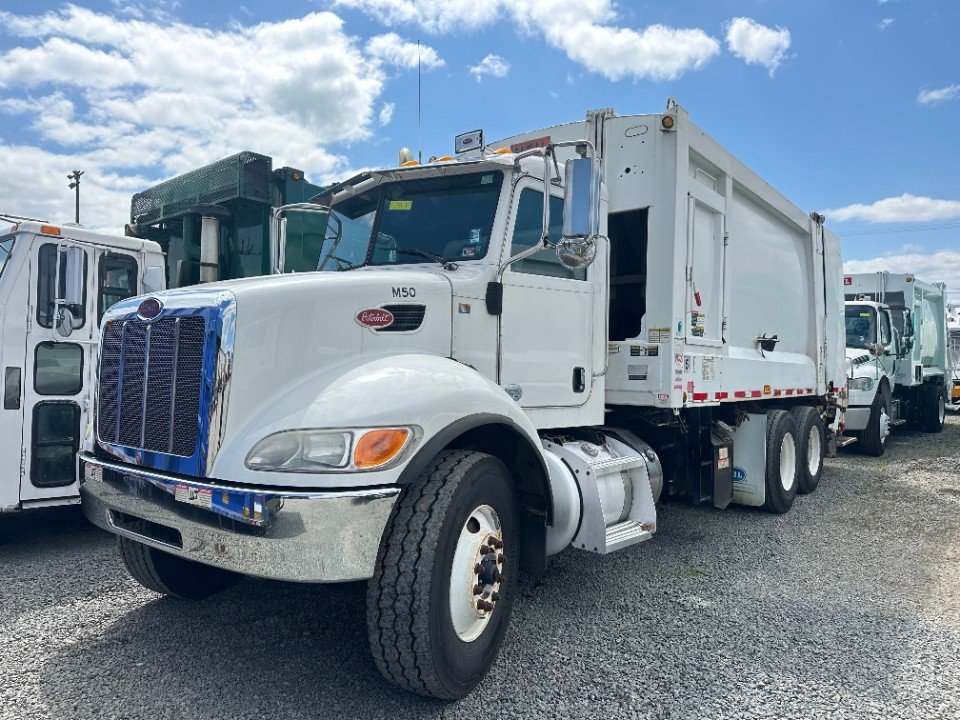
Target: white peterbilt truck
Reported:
[(56, 282), (515, 350), (897, 346)]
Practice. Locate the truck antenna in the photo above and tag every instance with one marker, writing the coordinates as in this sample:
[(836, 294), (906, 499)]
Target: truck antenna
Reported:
[(419, 111), (74, 177)]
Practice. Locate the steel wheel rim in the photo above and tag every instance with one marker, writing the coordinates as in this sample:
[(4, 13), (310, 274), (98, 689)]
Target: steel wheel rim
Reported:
[(788, 462), (814, 450), (473, 593)]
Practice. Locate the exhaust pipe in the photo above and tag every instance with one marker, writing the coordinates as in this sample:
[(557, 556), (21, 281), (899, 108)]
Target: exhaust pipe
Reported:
[(210, 217)]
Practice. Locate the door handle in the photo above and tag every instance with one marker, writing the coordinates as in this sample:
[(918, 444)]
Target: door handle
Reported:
[(579, 379)]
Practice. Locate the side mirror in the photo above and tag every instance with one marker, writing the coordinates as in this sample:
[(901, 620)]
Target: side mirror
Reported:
[(278, 230), (907, 324), (581, 213), (73, 274), (153, 279), (64, 321)]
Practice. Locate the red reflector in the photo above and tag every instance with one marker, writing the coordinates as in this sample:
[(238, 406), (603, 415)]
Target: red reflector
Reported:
[(789, 391), (740, 394), (700, 396), (848, 281), (755, 393), (777, 392), (721, 396), (799, 391)]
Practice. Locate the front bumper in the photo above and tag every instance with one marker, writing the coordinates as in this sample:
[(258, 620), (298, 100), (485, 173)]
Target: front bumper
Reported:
[(321, 536)]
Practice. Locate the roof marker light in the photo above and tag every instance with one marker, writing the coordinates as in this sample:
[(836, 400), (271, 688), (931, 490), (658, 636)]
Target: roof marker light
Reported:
[(50, 230)]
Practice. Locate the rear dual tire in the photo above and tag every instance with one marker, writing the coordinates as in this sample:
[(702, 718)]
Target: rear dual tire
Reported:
[(783, 461), (933, 412), (811, 438)]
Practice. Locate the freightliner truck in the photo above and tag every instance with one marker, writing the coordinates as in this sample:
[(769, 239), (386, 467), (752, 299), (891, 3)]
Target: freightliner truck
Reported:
[(897, 347), (526, 347), (57, 281)]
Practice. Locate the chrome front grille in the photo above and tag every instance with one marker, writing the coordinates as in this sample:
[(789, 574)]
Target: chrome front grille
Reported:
[(151, 375)]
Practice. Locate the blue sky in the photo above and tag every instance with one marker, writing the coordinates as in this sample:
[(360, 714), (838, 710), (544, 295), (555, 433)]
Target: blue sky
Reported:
[(843, 106)]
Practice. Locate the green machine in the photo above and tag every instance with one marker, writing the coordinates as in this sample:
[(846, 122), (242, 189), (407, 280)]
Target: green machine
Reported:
[(213, 223)]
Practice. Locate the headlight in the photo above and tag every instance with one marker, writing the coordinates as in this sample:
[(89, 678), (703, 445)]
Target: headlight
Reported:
[(301, 451), (325, 450), (860, 383)]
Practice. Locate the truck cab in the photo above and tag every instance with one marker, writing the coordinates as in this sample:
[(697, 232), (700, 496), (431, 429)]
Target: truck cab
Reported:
[(896, 356), (56, 284)]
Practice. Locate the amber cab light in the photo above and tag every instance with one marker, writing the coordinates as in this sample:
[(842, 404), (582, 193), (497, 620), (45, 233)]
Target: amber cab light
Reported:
[(378, 447)]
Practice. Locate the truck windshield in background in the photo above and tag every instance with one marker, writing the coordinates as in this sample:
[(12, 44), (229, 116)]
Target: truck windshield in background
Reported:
[(861, 326), (6, 249), (448, 217)]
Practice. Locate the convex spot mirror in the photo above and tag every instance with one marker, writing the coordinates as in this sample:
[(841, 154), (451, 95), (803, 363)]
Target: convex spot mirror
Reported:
[(71, 271), (581, 213), (64, 321)]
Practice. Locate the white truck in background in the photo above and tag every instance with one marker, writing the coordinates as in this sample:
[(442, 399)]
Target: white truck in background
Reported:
[(897, 347), (56, 282), (525, 347), (953, 333)]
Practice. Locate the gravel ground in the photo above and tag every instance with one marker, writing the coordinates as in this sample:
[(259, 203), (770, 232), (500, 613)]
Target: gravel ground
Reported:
[(847, 607)]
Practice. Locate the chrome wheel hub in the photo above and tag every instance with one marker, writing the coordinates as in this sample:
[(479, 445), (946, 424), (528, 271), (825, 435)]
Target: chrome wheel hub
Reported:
[(477, 573)]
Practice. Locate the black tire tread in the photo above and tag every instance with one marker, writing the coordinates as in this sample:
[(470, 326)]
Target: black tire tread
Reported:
[(870, 442), (930, 410), (804, 416), (172, 575), (139, 563), (774, 503), (396, 614)]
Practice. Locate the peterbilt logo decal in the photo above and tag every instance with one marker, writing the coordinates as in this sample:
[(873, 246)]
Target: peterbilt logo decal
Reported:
[(149, 308), (375, 318)]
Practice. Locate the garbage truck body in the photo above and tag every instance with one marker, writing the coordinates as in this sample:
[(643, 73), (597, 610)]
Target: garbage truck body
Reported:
[(523, 348), (897, 349)]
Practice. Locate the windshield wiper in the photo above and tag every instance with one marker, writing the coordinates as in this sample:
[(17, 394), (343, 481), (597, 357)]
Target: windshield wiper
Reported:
[(447, 265)]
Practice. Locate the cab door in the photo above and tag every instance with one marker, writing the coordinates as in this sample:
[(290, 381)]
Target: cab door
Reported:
[(546, 327), (60, 372), (55, 375)]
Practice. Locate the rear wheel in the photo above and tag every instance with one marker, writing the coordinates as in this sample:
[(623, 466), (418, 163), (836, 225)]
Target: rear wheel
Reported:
[(873, 439), (440, 600), (933, 413), (171, 575), (782, 471), (811, 436)]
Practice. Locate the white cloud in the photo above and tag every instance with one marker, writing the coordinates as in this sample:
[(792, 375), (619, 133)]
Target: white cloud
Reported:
[(131, 101), (492, 65), (905, 208), (585, 30), (938, 95), (758, 44), (939, 266), (386, 113), (393, 49), (885, 23)]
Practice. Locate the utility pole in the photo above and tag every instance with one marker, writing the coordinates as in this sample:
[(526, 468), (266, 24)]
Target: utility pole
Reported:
[(74, 177)]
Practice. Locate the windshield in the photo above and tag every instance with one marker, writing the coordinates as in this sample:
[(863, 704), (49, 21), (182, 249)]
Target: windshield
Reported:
[(6, 249), (447, 217), (861, 326)]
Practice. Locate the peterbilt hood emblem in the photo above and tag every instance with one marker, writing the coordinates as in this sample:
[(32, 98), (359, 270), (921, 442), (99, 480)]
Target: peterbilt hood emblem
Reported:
[(375, 318), (149, 308)]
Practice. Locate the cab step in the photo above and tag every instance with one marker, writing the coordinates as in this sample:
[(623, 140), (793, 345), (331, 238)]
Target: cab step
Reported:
[(627, 533)]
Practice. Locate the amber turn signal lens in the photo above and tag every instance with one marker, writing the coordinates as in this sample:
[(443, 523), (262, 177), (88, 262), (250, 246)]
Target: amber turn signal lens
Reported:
[(667, 122), (377, 447)]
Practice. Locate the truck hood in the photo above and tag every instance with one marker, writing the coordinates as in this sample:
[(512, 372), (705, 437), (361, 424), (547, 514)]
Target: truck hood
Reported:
[(307, 330)]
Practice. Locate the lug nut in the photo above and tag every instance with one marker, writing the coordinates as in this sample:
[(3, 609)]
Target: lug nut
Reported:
[(501, 578), (478, 568), (477, 589), (500, 558), (495, 596)]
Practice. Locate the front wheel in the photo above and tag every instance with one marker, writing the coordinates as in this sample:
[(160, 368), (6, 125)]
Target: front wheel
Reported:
[(873, 439), (440, 600), (171, 575)]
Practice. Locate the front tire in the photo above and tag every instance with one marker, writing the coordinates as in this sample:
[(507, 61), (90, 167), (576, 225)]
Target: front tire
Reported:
[(933, 413), (782, 461), (873, 439), (171, 575), (811, 435), (440, 600)]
